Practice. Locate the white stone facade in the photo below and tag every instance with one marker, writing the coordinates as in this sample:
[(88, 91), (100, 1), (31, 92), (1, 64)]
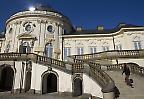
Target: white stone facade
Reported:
[(51, 34)]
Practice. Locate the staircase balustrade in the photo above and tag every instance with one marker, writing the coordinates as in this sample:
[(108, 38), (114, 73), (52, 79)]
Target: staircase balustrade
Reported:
[(112, 55)]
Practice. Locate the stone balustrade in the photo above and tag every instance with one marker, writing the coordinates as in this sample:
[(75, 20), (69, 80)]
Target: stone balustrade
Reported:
[(134, 68), (111, 55), (30, 56)]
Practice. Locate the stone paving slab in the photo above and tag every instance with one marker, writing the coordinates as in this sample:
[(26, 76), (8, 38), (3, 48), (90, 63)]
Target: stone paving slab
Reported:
[(8, 95), (126, 92)]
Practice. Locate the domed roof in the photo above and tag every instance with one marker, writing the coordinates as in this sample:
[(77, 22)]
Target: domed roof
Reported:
[(40, 7)]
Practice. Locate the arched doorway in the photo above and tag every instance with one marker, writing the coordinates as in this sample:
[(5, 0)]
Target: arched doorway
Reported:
[(28, 81), (7, 75), (77, 87), (49, 83)]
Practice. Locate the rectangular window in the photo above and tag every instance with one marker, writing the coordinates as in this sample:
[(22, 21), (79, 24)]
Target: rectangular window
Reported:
[(93, 49), (118, 47), (105, 48), (67, 52), (80, 51), (137, 45)]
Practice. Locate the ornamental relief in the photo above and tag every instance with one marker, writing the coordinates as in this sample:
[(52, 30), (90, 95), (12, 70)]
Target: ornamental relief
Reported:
[(135, 33), (136, 38), (79, 43), (49, 40), (28, 26), (67, 44), (92, 43), (105, 43)]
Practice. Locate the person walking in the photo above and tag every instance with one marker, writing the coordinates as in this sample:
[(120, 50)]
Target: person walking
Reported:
[(126, 70)]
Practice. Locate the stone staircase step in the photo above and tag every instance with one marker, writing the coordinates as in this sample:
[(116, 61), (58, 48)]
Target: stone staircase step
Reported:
[(126, 92)]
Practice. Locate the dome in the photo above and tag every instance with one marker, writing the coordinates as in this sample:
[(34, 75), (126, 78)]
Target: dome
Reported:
[(40, 7)]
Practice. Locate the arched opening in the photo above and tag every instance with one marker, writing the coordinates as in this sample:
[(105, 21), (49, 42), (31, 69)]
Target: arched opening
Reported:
[(27, 81), (49, 83), (25, 48), (6, 81), (77, 87), (48, 50)]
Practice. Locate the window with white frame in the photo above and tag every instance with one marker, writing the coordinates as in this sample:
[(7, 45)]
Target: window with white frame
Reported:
[(93, 49), (49, 50), (67, 52), (80, 50), (105, 48), (137, 45), (24, 47), (118, 47)]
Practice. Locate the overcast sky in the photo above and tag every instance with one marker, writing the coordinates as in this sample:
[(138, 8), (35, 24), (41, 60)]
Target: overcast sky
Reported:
[(85, 13)]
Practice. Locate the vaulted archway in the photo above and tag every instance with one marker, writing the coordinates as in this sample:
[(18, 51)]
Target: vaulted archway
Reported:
[(49, 83), (77, 84), (6, 81)]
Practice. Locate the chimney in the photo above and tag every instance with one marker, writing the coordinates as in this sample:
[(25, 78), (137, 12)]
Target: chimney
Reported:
[(79, 28), (121, 24), (100, 28)]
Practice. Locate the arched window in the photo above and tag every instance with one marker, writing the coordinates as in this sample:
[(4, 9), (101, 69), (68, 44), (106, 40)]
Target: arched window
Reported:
[(48, 50), (25, 48)]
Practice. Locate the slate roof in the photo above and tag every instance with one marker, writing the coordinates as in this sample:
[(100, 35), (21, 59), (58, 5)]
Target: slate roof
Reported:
[(2, 35), (105, 31)]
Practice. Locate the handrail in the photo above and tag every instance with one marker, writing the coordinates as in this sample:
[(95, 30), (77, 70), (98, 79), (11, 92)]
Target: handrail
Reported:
[(113, 54), (134, 68), (95, 71), (30, 56)]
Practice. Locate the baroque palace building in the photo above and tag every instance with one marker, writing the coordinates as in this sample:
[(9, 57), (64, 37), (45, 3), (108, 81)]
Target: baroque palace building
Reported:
[(35, 46)]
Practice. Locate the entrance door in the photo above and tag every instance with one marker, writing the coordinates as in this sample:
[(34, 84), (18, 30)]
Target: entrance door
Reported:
[(77, 87), (7, 75), (49, 84)]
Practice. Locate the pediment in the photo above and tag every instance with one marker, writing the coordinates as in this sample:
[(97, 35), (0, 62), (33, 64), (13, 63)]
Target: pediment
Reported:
[(26, 36)]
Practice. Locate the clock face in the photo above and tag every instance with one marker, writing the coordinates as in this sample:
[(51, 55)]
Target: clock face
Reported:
[(28, 28), (50, 28)]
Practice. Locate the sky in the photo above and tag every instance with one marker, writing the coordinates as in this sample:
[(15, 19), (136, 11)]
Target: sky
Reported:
[(86, 13)]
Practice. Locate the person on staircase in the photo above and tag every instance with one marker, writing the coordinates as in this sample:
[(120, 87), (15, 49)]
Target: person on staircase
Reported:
[(126, 70)]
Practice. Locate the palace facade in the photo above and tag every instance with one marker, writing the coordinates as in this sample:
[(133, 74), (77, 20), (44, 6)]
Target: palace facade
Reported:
[(35, 45)]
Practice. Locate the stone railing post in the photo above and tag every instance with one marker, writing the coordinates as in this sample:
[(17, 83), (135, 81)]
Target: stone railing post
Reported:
[(109, 95), (108, 91)]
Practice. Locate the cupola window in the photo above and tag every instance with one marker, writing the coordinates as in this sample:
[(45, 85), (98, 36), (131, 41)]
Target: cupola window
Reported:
[(50, 28), (28, 28)]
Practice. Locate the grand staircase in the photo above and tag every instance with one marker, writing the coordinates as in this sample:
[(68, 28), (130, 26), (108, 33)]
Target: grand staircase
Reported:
[(114, 70), (107, 77), (126, 92)]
